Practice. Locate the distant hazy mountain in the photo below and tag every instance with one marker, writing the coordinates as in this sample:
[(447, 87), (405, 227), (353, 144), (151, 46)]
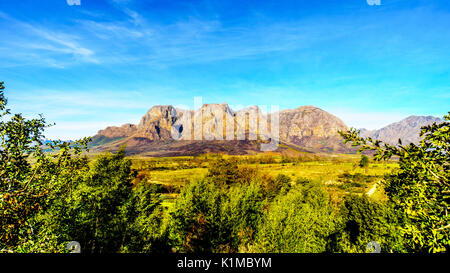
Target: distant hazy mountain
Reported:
[(407, 130)]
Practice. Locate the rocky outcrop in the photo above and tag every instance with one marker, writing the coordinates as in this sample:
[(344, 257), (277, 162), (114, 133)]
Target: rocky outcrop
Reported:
[(313, 128), (157, 123), (218, 128), (307, 121), (216, 122), (408, 130), (217, 125), (115, 132), (211, 121)]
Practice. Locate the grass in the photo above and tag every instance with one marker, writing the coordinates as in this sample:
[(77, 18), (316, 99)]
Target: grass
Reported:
[(340, 173)]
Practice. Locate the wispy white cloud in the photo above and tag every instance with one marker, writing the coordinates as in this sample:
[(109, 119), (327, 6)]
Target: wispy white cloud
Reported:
[(182, 42), (106, 30), (38, 45), (49, 100)]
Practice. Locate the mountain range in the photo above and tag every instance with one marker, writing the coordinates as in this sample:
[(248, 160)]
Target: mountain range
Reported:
[(216, 128)]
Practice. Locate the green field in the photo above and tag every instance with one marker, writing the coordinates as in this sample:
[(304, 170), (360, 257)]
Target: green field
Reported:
[(340, 173)]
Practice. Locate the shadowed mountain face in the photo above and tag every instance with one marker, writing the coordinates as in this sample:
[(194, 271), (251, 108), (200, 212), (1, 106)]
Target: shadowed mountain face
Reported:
[(157, 123), (218, 128), (408, 130)]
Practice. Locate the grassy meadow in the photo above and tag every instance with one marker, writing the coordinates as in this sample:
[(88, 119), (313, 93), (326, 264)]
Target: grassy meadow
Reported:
[(340, 173)]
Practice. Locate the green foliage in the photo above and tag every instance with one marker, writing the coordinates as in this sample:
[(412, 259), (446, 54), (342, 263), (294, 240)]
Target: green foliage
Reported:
[(105, 214), (298, 222), (196, 221), (97, 218), (364, 162), (273, 187), (28, 190), (211, 218), (421, 187), (355, 182), (224, 171), (145, 216), (284, 181), (364, 221), (50, 198), (302, 181), (243, 213)]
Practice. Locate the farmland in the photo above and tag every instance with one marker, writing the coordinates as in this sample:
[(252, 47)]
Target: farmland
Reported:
[(340, 174)]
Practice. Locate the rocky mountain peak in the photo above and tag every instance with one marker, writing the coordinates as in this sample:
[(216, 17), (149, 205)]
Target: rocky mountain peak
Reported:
[(307, 127), (157, 123), (216, 109), (116, 132), (164, 113)]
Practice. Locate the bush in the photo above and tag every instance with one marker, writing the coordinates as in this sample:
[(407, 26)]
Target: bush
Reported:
[(224, 172), (196, 220), (93, 213), (364, 221), (211, 218), (146, 230), (420, 187), (28, 191), (298, 222)]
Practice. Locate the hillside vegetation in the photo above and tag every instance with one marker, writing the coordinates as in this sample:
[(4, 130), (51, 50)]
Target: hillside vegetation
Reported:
[(271, 203)]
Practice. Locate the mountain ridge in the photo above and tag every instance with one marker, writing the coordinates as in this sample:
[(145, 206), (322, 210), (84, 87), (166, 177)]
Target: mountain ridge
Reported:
[(406, 129), (216, 128)]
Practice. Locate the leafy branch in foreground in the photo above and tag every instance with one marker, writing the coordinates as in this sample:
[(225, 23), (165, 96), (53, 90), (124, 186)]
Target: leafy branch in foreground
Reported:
[(420, 188), (31, 179)]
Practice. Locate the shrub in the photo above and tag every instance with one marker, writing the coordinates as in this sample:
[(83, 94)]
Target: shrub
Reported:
[(364, 221), (224, 171), (298, 222), (420, 187), (195, 222)]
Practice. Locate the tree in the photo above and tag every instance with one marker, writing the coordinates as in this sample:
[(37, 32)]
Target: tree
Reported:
[(364, 221), (224, 171), (31, 180), (196, 221), (50, 194), (146, 230), (244, 212), (298, 222), (96, 209), (420, 188), (364, 163)]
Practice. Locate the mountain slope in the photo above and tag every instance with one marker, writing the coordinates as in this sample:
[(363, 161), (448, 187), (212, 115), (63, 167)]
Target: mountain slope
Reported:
[(164, 130), (407, 130), (313, 128)]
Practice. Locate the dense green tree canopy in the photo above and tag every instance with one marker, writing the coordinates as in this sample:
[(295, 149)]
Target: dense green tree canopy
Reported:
[(31, 179), (421, 187)]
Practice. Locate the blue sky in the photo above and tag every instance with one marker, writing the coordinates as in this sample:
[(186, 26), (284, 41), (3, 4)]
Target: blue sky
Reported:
[(107, 62)]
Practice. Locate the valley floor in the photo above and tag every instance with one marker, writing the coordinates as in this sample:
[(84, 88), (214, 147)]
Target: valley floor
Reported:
[(340, 173)]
